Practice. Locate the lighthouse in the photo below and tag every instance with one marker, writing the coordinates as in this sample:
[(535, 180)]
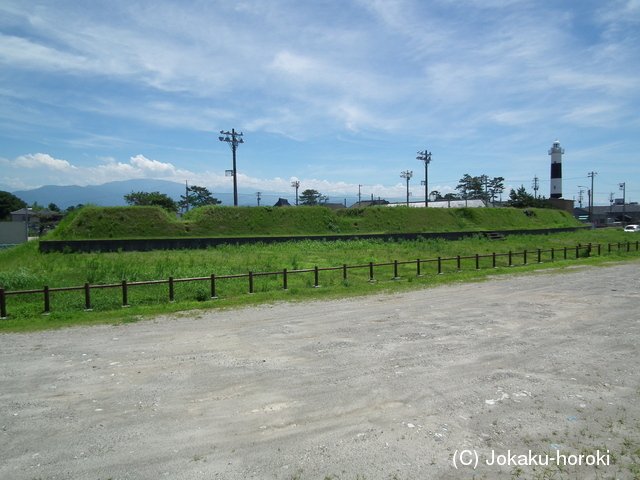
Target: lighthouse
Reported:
[(556, 152)]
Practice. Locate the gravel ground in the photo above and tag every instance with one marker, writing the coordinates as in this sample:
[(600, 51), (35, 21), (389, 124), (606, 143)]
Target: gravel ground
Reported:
[(437, 383)]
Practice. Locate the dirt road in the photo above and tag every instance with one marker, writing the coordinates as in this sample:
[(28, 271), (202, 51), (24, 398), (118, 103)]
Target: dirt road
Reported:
[(486, 377)]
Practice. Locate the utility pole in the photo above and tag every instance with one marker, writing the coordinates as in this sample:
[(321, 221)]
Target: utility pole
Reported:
[(359, 195), (426, 158), (258, 197), (233, 140), (581, 192), (536, 186), (580, 196), (407, 174), (623, 187), (591, 196), (296, 184), (186, 194)]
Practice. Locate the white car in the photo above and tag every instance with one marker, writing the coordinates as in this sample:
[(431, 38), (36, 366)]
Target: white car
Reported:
[(632, 228)]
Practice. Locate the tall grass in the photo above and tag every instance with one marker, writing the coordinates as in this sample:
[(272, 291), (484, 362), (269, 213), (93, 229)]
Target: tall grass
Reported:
[(23, 268)]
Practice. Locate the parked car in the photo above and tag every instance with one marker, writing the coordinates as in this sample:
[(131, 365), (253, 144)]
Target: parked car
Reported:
[(632, 228)]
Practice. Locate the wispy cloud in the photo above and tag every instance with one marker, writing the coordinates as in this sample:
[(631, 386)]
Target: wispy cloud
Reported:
[(366, 77)]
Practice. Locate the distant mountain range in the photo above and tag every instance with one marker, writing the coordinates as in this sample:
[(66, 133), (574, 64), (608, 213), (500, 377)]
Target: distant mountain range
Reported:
[(112, 194)]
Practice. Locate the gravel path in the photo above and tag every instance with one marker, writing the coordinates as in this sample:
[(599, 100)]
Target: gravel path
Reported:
[(381, 387)]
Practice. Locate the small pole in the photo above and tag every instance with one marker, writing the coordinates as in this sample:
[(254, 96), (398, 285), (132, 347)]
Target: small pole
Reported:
[(395, 270), (125, 296), (371, 271), (510, 259), (315, 272), (439, 266), (87, 297), (577, 251), (284, 279), (459, 269), (171, 296), (477, 262), (3, 304), (344, 271), (524, 258), (494, 260), (599, 250), (213, 287), (418, 267), (628, 247), (539, 256), (47, 303), (553, 254), (565, 253), (250, 282)]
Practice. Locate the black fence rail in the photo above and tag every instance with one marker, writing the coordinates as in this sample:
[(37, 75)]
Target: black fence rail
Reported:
[(526, 256)]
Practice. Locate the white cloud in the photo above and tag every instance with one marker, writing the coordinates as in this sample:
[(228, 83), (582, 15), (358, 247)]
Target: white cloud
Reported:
[(42, 160)]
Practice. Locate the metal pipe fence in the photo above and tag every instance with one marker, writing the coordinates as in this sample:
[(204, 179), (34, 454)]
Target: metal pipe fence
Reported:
[(251, 276)]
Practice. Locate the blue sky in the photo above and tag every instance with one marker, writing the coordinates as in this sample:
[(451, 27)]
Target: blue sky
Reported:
[(332, 93)]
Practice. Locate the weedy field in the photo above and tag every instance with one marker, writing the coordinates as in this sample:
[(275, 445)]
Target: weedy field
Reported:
[(23, 268)]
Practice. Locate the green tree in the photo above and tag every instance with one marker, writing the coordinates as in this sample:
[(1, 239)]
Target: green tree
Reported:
[(311, 197), (71, 208), (471, 187), (53, 207), (495, 187), (522, 199), (197, 197), (9, 203), (151, 199)]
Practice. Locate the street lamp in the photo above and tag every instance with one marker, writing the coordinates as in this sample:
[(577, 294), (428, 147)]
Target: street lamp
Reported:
[(232, 138), (426, 158), (407, 174), (623, 187)]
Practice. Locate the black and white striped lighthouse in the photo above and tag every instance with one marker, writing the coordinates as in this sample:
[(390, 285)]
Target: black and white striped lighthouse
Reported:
[(556, 169)]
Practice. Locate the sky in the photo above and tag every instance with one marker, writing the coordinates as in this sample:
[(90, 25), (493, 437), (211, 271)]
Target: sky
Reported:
[(339, 95)]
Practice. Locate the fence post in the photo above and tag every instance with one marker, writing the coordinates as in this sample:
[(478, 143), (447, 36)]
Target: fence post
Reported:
[(553, 254), (344, 271), (609, 248), (87, 297), (439, 266), (315, 274), (599, 249), (418, 267), (395, 270), (459, 269), (578, 251), (510, 259), (284, 279), (565, 253), (47, 303), (524, 257), (539, 256), (494, 260), (250, 282), (213, 287), (371, 272), (171, 297), (477, 262), (125, 295), (3, 304), (628, 247)]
